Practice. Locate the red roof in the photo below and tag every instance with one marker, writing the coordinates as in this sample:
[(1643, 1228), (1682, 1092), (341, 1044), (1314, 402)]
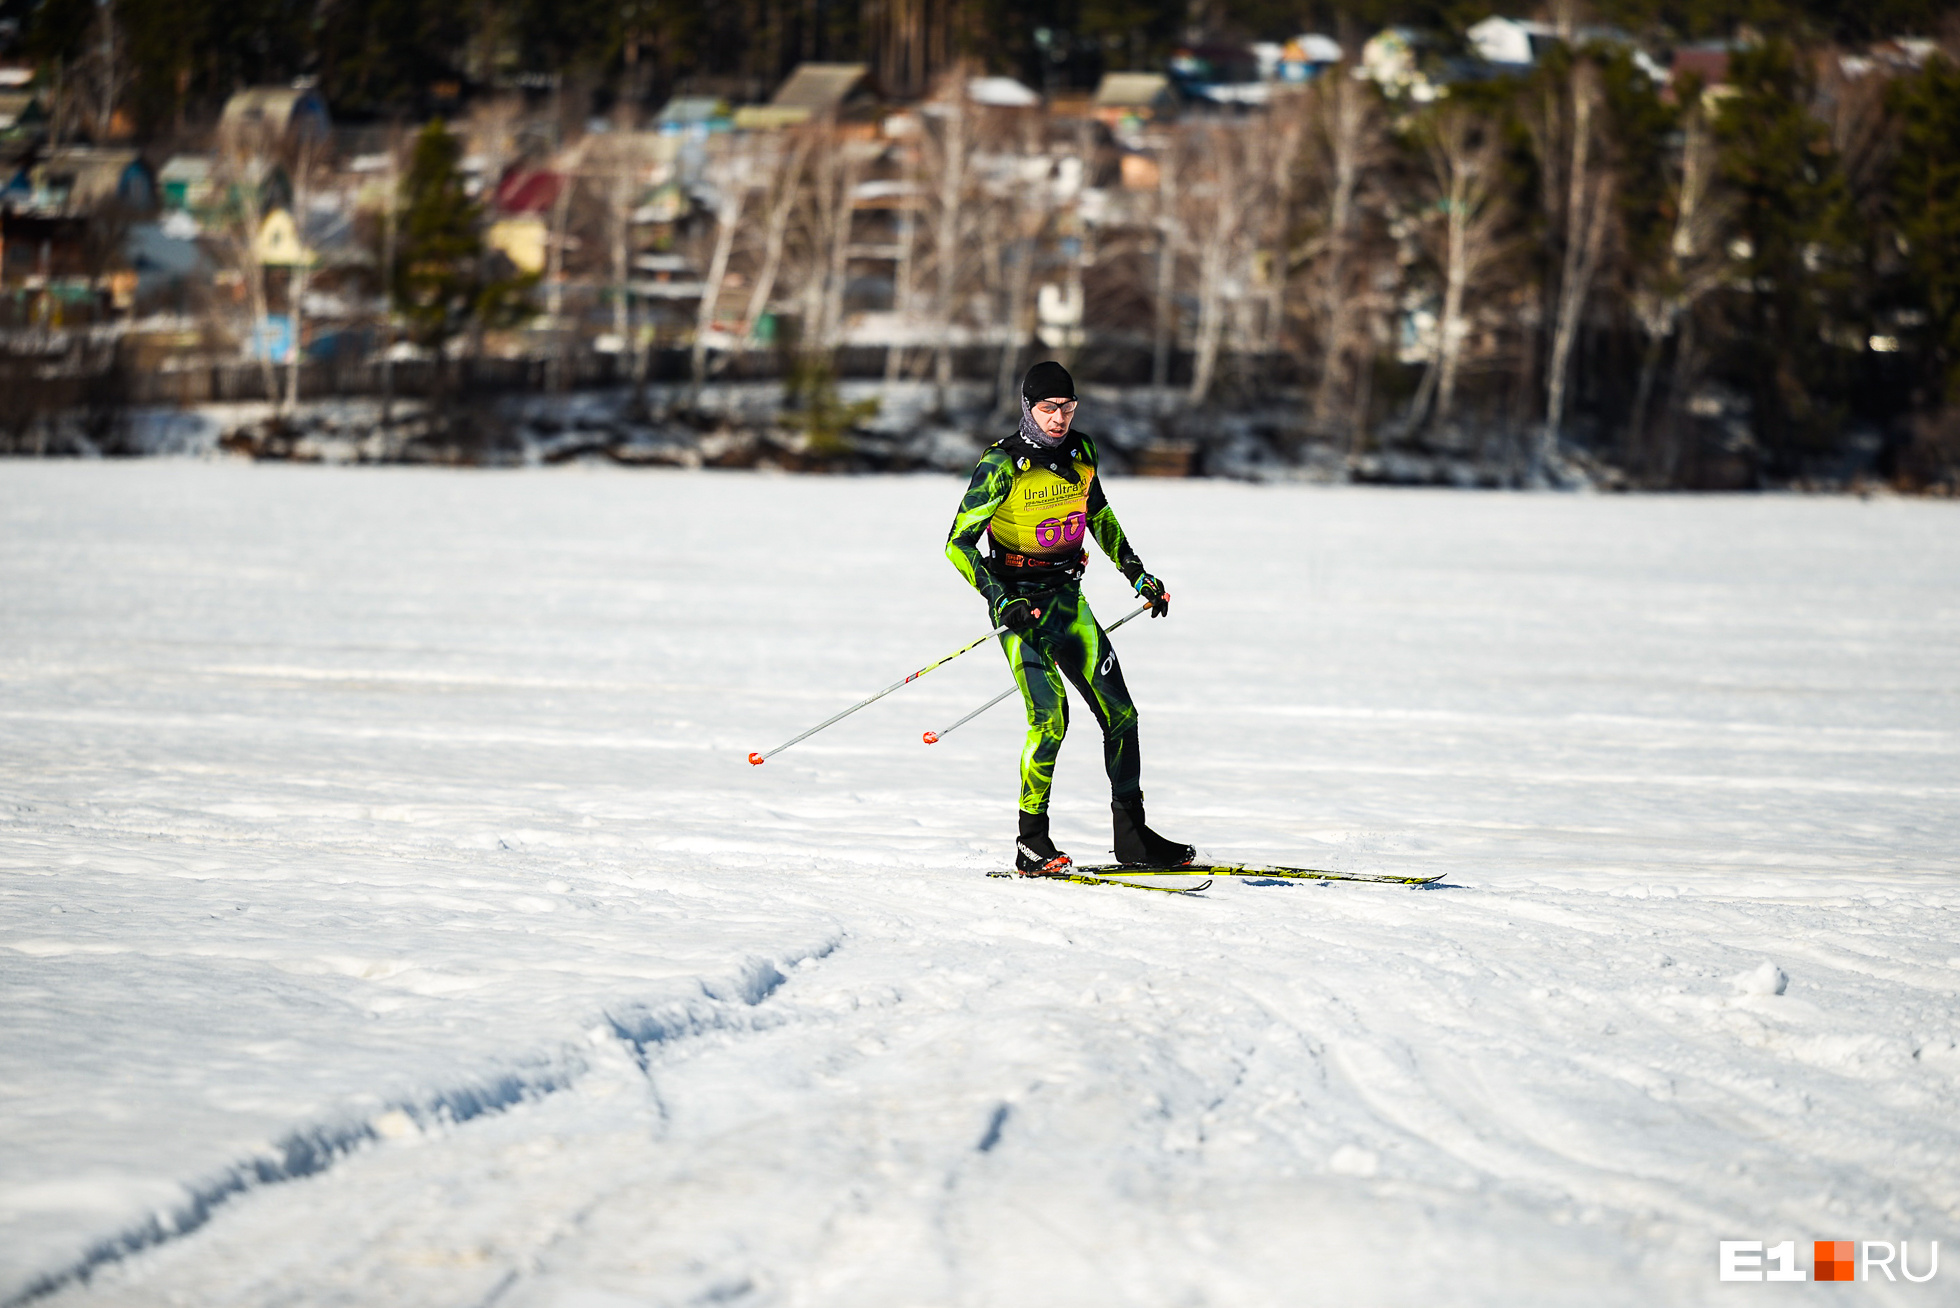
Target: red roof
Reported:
[(1712, 66), (527, 191)]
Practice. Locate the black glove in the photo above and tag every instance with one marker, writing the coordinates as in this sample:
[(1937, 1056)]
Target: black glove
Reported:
[(1016, 614), (1149, 587)]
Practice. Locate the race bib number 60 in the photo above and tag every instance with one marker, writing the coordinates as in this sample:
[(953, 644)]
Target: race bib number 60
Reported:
[(1057, 531)]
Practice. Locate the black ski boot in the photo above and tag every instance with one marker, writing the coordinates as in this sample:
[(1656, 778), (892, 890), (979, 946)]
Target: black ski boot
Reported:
[(1137, 843), (1035, 854)]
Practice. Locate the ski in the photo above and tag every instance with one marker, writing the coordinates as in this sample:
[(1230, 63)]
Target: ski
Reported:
[(1082, 879), (1105, 871)]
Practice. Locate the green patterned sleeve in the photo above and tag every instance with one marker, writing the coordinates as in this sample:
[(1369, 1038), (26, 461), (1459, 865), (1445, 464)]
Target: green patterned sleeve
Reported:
[(992, 480), (1105, 528)]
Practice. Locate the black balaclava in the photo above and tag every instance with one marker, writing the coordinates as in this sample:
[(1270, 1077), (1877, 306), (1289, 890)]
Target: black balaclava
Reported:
[(1047, 380)]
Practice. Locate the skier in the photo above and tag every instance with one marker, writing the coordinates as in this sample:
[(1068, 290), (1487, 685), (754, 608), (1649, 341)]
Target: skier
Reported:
[(1036, 494)]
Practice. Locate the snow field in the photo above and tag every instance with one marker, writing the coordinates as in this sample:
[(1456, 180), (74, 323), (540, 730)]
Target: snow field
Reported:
[(389, 914)]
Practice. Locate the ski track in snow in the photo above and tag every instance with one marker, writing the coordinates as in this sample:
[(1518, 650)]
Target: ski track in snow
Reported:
[(389, 914)]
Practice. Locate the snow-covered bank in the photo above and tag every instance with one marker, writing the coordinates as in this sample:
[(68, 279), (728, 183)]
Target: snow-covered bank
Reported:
[(879, 427), (336, 805)]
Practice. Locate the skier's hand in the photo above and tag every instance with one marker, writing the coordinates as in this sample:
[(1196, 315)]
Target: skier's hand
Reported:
[(1153, 592), (1016, 614)]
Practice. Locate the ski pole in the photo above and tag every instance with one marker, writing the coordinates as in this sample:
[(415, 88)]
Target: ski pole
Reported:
[(934, 737), (759, 759)]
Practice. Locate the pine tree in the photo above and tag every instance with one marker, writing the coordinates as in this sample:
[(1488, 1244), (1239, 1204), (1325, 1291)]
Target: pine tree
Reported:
[(438, 267), (1794, 250), (1924, 195)]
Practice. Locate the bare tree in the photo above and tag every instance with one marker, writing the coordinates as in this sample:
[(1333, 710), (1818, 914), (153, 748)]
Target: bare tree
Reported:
[(307, 148), (1587, 212), (1348, 140), (1283, 144), (842, 229), (1169, 238), (621, 191), (1017, 215), (391, 206), (1216, 201), (947, 158), (1664, 299), (1863, 132), (784, 188), (557, 237), (903, 291), (103, 73), (911, 40), (1582, 214), (1073, 293), (827, 218), (492, 134), (246, 150), (1464, 166), (730, 174)]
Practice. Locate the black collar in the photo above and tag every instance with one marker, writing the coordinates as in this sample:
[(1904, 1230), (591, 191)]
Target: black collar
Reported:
[(1059, 459)]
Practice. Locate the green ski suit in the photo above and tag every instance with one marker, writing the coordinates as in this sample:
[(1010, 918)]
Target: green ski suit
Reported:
[(1034, 505)]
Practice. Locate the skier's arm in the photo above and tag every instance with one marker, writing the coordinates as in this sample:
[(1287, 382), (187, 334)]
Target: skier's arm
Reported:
[(1109, 534), (992, 480)]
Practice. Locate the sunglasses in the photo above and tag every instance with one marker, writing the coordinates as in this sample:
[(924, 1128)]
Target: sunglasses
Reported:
[(1048, 410)]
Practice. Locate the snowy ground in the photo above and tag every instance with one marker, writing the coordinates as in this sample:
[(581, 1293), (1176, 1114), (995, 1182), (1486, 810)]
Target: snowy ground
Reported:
[(389, 916)]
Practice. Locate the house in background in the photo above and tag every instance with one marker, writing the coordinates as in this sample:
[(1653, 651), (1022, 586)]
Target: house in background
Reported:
[(812, 91), (186, 182), (1001, 93), (1706, 63), (520, 209), (693, 113), (278, 244), (1709, 61), (1513, 41), (1129, 100), (1304, 57), (282, 113), (165, 258), (1223, 74), (22, 117), (80, 180)]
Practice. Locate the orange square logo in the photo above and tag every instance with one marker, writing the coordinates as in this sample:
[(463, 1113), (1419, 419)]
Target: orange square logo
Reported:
[(1832, 1260)]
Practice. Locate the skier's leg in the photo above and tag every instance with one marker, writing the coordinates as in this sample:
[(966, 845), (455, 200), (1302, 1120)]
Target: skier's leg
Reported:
[(1047, 706), (1087, 657), (1090, 662)]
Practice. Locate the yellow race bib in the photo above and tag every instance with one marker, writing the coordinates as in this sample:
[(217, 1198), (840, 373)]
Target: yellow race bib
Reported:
[(1044, 514)]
